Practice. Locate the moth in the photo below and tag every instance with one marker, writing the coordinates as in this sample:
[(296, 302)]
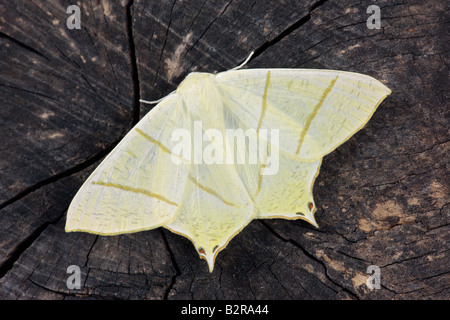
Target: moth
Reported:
[(224, 149)]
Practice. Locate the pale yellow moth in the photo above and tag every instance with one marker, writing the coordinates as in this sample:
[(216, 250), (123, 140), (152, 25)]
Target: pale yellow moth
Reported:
[(224, 149)]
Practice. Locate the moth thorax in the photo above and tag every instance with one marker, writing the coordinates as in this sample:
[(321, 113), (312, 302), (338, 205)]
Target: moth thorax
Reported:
[(201, 96)]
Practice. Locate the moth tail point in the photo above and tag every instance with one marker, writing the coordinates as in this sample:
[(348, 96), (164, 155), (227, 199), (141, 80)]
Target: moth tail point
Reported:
[(210, 261), (310, 218)]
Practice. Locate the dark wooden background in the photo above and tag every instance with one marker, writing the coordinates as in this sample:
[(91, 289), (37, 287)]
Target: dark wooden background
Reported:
[(69, 96)]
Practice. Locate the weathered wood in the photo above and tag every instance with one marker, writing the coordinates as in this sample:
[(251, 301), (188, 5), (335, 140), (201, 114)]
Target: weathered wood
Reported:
[(69, 96)]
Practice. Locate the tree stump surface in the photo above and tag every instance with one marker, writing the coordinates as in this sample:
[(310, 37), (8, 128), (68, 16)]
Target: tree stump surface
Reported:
[(68, 96)]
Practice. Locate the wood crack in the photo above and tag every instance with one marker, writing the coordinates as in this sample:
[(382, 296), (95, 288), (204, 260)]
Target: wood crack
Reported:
[(296, 25), (175, 265), (133, 60), (63, 174), (23, 45), (312, 257), (22, 246), (165, 40)]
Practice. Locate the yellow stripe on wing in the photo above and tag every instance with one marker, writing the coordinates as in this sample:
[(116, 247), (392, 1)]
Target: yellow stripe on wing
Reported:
[(159, 144), (313, 114), (208, 190), (264, 103), (135, 190)]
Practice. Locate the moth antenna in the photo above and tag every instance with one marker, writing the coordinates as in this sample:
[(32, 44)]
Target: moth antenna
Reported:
[(245, 61), (154, 101)]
